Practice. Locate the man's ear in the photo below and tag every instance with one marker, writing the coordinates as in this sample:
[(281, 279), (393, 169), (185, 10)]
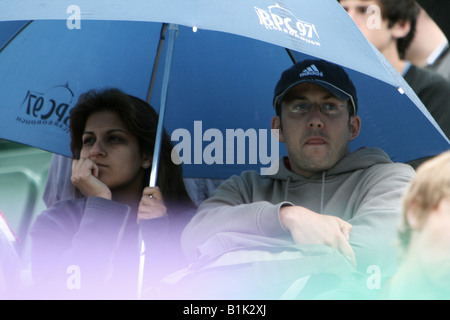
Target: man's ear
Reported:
[(276, 124), (401, 29), (355, 127)]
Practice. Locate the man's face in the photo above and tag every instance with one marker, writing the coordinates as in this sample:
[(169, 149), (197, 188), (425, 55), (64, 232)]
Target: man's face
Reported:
[(316, 139), (367, 15)]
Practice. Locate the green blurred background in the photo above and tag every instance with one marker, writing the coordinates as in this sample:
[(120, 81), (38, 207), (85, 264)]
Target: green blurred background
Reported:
[(23, 175)]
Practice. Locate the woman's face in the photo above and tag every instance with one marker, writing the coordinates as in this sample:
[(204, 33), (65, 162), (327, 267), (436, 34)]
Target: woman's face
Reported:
[(109, 144)]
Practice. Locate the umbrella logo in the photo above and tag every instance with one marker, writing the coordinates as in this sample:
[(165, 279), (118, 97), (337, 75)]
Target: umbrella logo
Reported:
[(280, 19), (50, 108)]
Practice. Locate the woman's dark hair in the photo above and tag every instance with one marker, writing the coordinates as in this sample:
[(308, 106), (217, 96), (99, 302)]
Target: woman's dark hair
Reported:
[(142, 121)]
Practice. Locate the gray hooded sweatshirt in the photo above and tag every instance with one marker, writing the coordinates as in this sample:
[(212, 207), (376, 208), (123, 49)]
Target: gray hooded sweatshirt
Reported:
[(365, 189)]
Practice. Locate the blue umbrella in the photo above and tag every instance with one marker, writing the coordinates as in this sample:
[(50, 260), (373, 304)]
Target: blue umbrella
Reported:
[(216, 86), (218, 64)]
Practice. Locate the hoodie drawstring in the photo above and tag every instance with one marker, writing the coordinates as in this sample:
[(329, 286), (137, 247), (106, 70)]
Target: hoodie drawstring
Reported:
[(288, 180), (323, 192)]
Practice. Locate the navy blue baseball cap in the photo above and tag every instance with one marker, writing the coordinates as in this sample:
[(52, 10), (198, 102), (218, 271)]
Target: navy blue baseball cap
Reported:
[(323, 73)]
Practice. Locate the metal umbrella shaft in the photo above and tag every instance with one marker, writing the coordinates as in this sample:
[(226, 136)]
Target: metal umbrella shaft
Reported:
[(158, 140), (165, 85)]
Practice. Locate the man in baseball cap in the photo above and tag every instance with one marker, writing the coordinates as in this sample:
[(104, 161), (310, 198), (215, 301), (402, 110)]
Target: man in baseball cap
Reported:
[(327, 75), (322, 195), (316, 106)]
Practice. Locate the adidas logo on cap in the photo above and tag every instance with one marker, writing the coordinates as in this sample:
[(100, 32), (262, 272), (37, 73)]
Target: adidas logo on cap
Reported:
[(328, 75), (311, 71)]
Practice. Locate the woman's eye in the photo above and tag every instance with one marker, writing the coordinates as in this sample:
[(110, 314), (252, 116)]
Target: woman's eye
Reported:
[(115, 139), (88, 140)]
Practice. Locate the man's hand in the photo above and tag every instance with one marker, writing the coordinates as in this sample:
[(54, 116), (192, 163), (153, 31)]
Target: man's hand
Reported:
[(309, 227)]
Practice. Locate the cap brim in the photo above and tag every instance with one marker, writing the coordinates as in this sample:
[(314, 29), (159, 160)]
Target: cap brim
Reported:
[(340, 94)]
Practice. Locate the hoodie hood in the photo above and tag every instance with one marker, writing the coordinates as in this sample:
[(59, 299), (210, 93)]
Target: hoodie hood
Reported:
[(357, 160)]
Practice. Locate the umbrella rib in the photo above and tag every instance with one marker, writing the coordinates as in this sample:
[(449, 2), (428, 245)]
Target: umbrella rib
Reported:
[(289, 52), (15, 35)]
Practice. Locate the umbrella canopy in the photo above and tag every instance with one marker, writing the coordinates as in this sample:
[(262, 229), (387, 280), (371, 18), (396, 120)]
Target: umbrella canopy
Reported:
[(220, 85)]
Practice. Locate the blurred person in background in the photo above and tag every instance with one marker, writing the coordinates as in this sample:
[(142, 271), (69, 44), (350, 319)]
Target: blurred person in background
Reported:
[(424, 272), (429, 48), (390, 26)]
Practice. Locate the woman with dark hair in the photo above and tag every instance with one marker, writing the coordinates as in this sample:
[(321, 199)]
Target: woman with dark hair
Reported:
[(88, 247)]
